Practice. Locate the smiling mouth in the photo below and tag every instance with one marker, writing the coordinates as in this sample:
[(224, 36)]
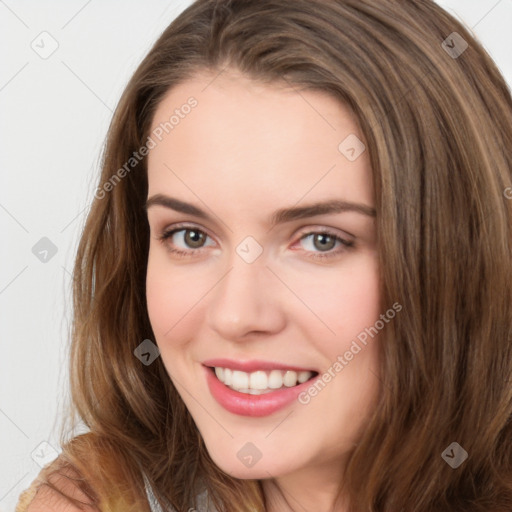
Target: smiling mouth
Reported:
[(261, 381)]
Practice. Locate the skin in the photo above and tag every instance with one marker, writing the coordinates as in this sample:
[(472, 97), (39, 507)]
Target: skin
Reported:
[(246, 150)]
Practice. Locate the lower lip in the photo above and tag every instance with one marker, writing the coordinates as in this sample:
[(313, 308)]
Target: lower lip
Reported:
[(252, 405)]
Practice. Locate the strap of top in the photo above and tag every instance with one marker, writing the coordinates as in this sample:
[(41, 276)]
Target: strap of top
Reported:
[(153, 503), (202, 502)]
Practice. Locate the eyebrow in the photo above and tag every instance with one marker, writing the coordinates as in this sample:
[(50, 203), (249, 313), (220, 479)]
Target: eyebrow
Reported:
[(278, 217)]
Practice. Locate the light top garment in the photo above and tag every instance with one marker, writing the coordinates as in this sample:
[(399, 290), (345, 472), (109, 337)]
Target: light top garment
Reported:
[(201, 505), (201, 501)]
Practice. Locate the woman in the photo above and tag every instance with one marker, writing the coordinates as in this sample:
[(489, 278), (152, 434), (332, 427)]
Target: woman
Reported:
[(293, 288)]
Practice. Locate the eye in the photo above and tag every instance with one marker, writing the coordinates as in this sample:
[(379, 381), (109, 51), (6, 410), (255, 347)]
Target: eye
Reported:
[(187, 241), (324, 241), (184, 237)]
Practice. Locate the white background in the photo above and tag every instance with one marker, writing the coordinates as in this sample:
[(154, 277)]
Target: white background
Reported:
[(53, 120)]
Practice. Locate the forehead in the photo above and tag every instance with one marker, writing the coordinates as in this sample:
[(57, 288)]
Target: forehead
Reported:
[(242, 137)]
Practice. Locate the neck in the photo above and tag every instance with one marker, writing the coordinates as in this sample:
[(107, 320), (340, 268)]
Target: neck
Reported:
[(312, 489)]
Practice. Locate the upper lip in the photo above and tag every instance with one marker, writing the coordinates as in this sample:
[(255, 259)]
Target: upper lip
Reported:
[(253, 365)]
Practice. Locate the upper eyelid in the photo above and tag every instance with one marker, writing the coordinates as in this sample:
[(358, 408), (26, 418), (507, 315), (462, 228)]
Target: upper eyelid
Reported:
[(180, 227), (311, 220)]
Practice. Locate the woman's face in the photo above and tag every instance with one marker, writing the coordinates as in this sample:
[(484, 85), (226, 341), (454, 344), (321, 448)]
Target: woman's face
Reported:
[(267, 280)]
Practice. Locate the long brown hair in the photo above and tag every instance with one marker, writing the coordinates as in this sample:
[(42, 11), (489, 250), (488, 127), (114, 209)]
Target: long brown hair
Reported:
[(439, 131)]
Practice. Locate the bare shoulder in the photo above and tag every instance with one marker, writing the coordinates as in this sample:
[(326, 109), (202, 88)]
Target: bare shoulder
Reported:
[(57, 488)]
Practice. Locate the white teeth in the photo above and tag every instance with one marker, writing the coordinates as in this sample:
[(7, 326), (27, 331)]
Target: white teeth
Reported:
[(240, 380), (290, 379), (303, 376), (275, 379), (260, 382), (250, 391), (220, 373)]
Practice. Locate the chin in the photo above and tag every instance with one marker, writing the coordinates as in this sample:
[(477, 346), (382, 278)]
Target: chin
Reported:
[(235, 460)]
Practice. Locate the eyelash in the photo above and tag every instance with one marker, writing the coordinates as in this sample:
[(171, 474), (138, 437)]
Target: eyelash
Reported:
[(315, 255)]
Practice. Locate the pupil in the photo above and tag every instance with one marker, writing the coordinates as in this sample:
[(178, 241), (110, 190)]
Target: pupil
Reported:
[(322, 238), (194, 238)]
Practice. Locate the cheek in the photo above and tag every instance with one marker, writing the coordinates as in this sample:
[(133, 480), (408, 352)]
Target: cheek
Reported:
[(342, 301), (168, 301), (345, 301), (168, 294), (359, 298), (157, 296), (175, 298)]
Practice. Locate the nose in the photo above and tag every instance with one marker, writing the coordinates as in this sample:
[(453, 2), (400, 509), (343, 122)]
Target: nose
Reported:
[(247, 301)]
